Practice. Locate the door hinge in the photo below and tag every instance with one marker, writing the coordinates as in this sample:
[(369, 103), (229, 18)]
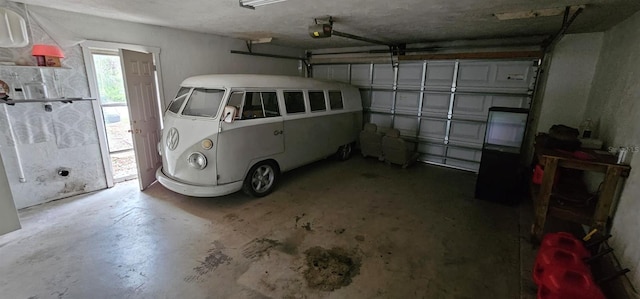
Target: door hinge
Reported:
[(155, 68)]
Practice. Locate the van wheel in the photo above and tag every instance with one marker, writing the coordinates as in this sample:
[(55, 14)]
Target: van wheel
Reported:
[(344, 152), (261, 179)]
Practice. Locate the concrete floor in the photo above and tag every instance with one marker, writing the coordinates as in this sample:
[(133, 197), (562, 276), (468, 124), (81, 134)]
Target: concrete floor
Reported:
[(415, 233)]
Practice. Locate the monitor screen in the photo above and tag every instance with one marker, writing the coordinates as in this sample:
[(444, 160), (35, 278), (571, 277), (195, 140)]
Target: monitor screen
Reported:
[(506, 128)]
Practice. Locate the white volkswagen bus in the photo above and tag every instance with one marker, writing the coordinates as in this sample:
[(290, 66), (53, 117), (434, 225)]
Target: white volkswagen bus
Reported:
[(224, 133)]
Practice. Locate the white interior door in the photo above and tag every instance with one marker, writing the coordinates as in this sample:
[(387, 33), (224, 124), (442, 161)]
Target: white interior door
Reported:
[(142, 98), (9, 220)]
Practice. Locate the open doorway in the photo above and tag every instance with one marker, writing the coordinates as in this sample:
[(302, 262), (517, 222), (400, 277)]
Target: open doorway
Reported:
[(113, 103), (125, 80)]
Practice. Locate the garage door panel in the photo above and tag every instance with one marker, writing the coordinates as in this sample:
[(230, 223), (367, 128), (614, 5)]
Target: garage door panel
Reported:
[(361, 75), (433, 129), (473, 166), (476, 107), (321, 71), (474, 75), (382, 121), (439, 75), (407, 102), (408, 126), (366, 117), (433, 159), (467, 133), (436, 104), (383, 75), (381, 100), (410, 76), (464, 154), (471, 106), (365, 95), (338, 72), (513, 74), (492, 76), (510, 101), (431, 149)]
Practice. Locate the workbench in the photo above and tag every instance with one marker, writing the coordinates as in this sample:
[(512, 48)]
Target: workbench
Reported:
[(595, 215)]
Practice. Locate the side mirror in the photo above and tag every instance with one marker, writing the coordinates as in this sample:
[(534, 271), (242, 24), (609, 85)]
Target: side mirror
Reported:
[(229, 114)]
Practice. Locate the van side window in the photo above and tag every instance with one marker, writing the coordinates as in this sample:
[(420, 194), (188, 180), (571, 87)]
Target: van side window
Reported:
[(254, 104), (180, 97), (203, 102), (235, 100), (316, 101), (260, 104), (335, 100), (270, 103), (294, 101)]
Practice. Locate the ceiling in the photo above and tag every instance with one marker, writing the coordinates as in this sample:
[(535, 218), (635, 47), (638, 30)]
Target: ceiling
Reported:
[(393, 21)]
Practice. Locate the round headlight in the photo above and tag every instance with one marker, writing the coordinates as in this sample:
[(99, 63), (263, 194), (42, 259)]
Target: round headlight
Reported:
[(197, 160), (206, 144)]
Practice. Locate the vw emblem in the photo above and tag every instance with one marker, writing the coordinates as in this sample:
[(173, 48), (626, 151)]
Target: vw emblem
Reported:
[(172, 139)]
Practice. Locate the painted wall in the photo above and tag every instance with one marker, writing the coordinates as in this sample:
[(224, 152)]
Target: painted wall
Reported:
[(183, 53), (615, 102), (568, 80), (67, 136)]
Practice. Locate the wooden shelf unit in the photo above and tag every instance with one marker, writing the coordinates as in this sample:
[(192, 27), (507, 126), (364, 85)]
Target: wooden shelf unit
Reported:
[(545, 196)]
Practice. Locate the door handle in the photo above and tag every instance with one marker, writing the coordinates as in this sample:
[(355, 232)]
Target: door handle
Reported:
[(136, 131), (277, 132)]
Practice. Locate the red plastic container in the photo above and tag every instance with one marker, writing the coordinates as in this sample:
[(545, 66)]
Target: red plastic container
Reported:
[(563, 283), (551, 258), (565, 241), (538, 174)]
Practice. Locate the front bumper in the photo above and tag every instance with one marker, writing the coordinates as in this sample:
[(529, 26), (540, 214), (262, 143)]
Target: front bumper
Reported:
[(195, 190)]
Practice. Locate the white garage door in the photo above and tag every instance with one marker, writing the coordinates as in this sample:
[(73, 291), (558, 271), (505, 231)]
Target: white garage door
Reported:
[(441, 105)]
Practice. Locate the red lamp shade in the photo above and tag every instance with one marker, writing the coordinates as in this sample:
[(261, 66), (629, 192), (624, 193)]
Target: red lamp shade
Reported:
[(47, 50)]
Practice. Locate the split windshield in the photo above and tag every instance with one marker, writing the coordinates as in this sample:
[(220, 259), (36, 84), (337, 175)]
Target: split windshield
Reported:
[(176, 104), (203, 102)]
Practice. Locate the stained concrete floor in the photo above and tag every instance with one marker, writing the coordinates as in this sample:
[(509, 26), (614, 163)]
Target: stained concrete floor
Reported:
[(415, 233)]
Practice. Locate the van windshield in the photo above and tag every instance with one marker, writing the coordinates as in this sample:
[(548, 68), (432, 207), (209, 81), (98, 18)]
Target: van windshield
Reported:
[(203, 102), (176, 104)]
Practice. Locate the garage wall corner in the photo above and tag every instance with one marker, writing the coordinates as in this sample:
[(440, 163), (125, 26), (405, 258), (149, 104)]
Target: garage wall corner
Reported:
[(614, 102), (568, 80)]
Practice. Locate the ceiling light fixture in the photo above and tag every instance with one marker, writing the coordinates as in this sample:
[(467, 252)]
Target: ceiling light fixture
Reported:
[(529, 14), (252, 4)]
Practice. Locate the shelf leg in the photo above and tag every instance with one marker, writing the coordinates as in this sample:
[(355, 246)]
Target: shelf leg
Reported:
[(605, 201), (542, 202)]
